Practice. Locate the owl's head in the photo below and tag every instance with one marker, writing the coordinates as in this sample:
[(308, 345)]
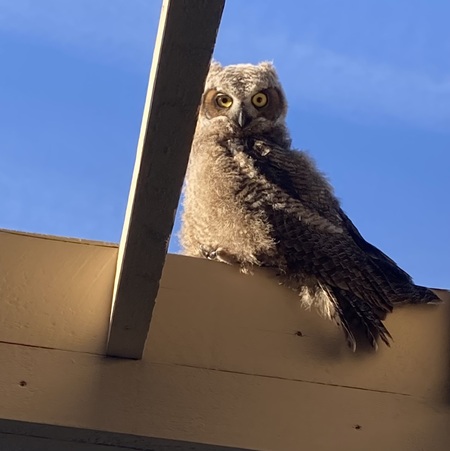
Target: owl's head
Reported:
[(244, 98)]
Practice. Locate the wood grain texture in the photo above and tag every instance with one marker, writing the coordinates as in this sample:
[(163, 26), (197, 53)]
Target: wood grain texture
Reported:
[(184, 45)]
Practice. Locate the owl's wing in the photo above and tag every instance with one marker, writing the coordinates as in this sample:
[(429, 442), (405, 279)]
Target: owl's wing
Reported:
[(329, 255), (312, 232), (316, 238), (385, 263), (296, 175), (359, 290)]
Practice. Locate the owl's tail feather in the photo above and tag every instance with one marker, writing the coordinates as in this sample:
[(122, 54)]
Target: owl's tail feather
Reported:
[(424, 295), (443, 295), (358, 318)]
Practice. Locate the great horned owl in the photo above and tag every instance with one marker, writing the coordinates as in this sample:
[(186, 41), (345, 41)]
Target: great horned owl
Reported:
[(252, 200)]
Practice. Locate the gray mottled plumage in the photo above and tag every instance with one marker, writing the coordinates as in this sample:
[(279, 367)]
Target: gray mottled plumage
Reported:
[(251, 200)]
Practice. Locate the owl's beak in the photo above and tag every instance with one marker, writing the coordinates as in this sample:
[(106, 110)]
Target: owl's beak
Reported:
[(243, 118)]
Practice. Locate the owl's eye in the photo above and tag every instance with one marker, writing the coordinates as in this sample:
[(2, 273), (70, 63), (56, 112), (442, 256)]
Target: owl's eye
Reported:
[(260, 100), (224, 101)]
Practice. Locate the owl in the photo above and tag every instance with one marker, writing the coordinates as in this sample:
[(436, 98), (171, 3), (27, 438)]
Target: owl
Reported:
[(252, 200)]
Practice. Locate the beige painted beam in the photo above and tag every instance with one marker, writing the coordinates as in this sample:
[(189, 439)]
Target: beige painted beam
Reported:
[(143, 405), (22, 436), (184, 45), (62, 286), (225, 365)]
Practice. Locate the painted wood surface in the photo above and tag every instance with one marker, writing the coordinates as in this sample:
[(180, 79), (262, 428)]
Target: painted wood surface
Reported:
[(225, 363), (184, 45)]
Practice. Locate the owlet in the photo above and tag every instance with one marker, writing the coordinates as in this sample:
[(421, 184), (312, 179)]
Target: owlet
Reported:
[(252, 200)]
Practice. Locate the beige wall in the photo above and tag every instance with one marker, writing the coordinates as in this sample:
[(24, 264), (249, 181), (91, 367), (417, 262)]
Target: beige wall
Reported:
[(223, 363)]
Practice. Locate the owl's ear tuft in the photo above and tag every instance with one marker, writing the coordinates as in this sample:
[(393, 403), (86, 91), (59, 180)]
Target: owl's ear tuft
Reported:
[(267, 65), (214, 67)]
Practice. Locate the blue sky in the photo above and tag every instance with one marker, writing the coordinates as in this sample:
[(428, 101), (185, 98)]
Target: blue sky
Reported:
[(368, 84)]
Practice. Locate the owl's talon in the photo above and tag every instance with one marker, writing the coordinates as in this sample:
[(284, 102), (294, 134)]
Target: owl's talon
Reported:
[(208, 252), (217, 254)]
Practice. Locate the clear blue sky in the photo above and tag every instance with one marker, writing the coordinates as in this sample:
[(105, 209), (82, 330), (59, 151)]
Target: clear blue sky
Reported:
[(368, 84)]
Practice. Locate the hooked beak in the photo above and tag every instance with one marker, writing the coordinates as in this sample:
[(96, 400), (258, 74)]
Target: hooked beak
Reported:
[(243, 118)]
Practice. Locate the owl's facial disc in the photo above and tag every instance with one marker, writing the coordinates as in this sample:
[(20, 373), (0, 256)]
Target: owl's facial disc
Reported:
[(244, 109)]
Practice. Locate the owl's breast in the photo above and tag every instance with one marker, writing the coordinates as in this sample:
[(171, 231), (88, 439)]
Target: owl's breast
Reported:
[(221, 204)]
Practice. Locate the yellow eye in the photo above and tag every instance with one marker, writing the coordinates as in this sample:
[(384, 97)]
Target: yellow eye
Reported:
[(260, 100), (224, 101)]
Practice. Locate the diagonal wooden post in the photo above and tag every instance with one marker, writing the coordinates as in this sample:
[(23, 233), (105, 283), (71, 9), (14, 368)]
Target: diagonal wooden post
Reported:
[(184, 45)]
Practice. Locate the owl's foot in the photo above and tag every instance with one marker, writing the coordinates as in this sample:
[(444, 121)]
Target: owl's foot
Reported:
[(208, 252), (217, 254)]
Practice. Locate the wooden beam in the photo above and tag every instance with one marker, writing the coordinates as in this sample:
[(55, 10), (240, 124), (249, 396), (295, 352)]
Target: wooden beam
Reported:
[(227, 366), (22, 435), (184, 45)]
